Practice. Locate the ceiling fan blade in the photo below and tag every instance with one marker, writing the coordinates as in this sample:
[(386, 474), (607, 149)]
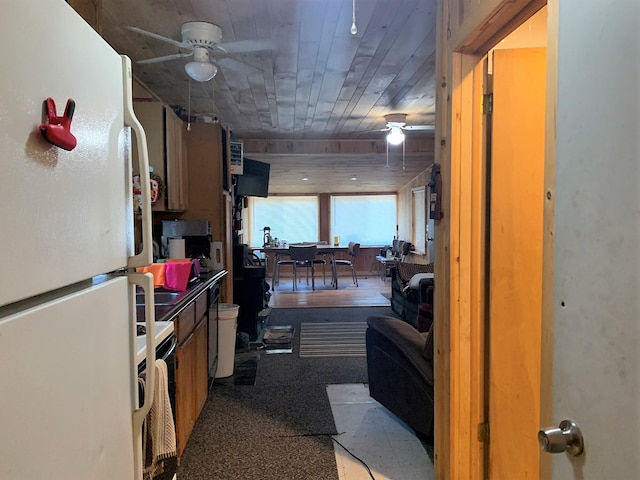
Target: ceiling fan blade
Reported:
[(165, 58), (245, 46), (374, 130), (386, 129), (158, 37), (419, 127), (231, 63)]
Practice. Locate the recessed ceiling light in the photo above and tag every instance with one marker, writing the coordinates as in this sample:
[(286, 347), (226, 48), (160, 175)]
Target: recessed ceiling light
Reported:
[(354, 178), (304, 179)]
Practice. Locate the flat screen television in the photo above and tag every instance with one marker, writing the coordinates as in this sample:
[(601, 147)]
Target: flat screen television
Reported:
[(254, 182)]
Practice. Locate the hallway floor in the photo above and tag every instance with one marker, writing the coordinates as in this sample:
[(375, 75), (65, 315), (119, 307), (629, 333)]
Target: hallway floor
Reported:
[(385, 444)]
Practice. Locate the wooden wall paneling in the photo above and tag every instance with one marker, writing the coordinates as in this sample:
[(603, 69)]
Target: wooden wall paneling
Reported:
[(442, 264), (329, 164), (324, 231), (455, 207)]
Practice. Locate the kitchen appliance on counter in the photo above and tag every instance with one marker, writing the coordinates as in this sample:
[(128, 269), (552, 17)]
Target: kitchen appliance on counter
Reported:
[(193, 235), (68, 371)]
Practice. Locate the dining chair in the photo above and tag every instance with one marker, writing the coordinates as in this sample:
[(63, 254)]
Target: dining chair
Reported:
[(303, 256), (279, 261), (320, 259), (353, 250)]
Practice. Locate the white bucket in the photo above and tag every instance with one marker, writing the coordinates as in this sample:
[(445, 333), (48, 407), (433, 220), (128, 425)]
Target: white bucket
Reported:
[(225, 326)]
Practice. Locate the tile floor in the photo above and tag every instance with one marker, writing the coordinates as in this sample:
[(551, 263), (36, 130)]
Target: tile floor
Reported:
[(375, 435)]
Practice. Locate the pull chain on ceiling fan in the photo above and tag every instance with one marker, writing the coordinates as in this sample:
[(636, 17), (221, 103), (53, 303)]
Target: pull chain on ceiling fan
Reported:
[(189, 107), (353, 28), (403, 153)]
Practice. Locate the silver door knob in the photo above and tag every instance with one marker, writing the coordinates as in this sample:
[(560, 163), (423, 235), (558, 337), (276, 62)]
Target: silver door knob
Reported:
[(565, 438)]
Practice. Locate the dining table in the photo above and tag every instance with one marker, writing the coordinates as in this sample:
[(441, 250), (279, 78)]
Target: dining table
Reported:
[(323, 249)]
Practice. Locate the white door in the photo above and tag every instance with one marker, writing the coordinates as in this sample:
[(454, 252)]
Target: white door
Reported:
[(63, 213), (596, 267), (67, 379)]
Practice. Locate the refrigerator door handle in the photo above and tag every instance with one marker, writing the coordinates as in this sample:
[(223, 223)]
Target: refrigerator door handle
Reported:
[(145, 257), (145, 280)]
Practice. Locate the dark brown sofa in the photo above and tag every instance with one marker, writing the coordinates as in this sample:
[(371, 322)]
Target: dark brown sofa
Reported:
[(400, 370)]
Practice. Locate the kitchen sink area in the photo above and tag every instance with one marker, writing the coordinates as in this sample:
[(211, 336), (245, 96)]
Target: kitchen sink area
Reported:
[(169, 303), (161, 298)]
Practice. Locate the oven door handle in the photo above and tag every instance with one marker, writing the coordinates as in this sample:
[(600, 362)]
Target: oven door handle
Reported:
[(172, 348)]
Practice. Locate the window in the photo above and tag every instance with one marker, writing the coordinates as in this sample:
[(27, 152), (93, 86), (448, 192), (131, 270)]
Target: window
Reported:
[(418, 219), (294, 219), (366, 219)]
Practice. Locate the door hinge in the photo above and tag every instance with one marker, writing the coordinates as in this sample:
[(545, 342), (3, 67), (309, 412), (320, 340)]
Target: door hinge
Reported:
[(483, 432), (487, 104)]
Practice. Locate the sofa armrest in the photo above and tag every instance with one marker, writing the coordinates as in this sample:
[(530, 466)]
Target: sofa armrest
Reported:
[(426, 291), (403, 342)]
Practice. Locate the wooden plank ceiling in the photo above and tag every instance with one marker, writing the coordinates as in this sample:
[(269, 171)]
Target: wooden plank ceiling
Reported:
[(302, 104)]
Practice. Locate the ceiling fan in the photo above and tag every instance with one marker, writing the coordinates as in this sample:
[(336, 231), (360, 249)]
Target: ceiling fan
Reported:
[(203, 40), (396, 123)]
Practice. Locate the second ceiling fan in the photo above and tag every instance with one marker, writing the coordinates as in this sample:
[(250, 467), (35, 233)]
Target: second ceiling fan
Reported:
[(396, 124)]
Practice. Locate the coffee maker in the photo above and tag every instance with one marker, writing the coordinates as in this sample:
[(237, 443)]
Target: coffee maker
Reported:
[(195, 233)]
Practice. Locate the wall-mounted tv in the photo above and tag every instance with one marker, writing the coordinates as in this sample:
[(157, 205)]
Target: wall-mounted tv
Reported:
[(254, 181)]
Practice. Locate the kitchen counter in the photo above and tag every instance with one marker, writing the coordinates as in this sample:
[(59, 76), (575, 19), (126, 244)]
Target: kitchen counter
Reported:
[(168, 312)]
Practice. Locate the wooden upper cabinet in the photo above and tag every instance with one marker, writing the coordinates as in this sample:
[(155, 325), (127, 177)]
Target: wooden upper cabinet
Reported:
[(167, 153), (177, 174)]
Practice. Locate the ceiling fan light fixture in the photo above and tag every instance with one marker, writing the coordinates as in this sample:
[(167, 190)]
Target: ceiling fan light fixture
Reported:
[(395, 136), (201, 71)]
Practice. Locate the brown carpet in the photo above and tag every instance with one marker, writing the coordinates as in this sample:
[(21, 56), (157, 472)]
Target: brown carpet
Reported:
[(280, 427)]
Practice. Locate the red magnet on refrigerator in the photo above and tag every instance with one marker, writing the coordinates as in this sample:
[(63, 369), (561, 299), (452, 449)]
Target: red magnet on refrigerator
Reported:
[(58, 129)]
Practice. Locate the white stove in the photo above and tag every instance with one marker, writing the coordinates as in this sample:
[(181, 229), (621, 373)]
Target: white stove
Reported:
[(161, 331)]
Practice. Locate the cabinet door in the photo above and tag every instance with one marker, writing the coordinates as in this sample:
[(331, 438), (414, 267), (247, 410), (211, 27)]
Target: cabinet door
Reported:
[(185, 372), (151, 116), (177, 175), (192, 380), (167, 152), (185, 322), (200, 375)]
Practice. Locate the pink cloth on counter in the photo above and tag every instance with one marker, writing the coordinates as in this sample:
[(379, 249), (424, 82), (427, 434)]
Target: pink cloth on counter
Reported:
[(176, 275)]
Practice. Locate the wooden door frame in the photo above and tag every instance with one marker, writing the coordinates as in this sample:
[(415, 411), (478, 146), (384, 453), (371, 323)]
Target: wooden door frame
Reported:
[(460, 241)]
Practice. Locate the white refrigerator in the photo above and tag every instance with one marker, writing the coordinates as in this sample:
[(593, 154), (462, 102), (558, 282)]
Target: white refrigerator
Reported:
[(68, 375)]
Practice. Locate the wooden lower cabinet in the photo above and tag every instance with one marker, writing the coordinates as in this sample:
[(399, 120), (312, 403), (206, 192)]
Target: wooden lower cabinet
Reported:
[(201, 374), (185, 373), (191, 369)]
